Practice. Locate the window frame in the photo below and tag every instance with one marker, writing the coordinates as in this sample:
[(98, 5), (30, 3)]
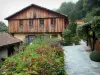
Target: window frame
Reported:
[(31, 23), (34, 15), (41, 22), (53, 22), (30, 38), (21, 23)]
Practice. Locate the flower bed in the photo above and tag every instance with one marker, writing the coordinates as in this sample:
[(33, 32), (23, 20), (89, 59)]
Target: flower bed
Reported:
[(39, 58)]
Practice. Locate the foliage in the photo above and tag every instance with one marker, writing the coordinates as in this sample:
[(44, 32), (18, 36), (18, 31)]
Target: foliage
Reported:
[(3, 27), (95, 26), (88, 17), (67, 37), (66, 33), (93, 4), (95, 11), (39, 58), (84, 7), (72, 25), (81, 32), (69, 34), (95, 56), (75, 40), (72, 17), (81, 8), (66, 8)]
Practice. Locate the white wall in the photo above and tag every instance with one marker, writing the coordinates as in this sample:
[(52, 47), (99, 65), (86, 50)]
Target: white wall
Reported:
[(20, 36), (3, 53)]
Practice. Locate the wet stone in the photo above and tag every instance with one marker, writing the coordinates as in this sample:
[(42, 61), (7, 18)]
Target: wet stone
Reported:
[(77, 61)]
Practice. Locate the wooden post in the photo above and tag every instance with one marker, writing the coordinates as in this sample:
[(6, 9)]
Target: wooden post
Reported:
[(87, 37), (94, 41)]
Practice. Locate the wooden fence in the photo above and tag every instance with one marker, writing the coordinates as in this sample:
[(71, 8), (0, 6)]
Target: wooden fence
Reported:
[(97, 46)]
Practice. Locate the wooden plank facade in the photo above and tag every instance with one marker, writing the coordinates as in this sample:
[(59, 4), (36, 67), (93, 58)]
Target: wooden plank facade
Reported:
[(36, 19), (14, 26)]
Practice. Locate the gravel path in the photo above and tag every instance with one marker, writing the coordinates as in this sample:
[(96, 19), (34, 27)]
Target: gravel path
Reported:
[(77, 61)]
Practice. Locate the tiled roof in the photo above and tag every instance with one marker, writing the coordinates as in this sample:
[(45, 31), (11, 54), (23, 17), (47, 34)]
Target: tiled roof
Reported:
[(7, 39)]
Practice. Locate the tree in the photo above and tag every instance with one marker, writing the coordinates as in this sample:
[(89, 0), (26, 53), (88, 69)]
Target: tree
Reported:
[(72, 25), (67, 37), (81, 32), (95, 11), (3, 27), (81, 9), (92, 4), (66, 8), (90, 15), (95, 26)]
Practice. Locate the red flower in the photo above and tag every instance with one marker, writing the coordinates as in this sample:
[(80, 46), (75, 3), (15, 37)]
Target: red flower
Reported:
[(32, 59)]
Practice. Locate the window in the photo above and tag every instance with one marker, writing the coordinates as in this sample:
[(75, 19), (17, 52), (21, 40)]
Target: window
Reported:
[(34, 15), (31, 23), (30, 38), (41, 22), (53, 22), (21, 23)]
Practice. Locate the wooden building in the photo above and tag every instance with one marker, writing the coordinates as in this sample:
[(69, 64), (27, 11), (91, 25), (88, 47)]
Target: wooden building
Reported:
[(80, 22), (8, 44), (34, 20)]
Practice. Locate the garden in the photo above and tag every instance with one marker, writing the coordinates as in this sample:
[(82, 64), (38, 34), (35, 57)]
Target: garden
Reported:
[(90, 32), (70, 34), (43, 57)]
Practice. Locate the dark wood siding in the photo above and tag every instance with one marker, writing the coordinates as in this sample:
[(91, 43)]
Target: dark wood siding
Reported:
[(35, 14), (29, 13)]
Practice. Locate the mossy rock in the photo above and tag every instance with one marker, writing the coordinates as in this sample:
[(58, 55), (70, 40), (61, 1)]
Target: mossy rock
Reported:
[(95, 56)]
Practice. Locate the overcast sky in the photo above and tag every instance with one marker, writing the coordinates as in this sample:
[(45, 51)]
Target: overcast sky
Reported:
[(8, 7)]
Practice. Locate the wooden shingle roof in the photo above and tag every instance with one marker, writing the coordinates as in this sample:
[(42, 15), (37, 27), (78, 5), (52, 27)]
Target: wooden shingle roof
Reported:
[(7, 39)]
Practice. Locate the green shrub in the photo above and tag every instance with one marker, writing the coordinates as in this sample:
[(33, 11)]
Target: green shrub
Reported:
[(81, 32), (42, 57), (95, 56), (64, 43), (95, 26), (75, 40), (67, 37)]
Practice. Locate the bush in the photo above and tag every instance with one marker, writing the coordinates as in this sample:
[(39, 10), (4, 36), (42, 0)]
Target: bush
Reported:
[(95, 56), (72, 26), (67, 37), (81, 32), (64, 43), (40, 58), (95, 26), (75, 40)]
